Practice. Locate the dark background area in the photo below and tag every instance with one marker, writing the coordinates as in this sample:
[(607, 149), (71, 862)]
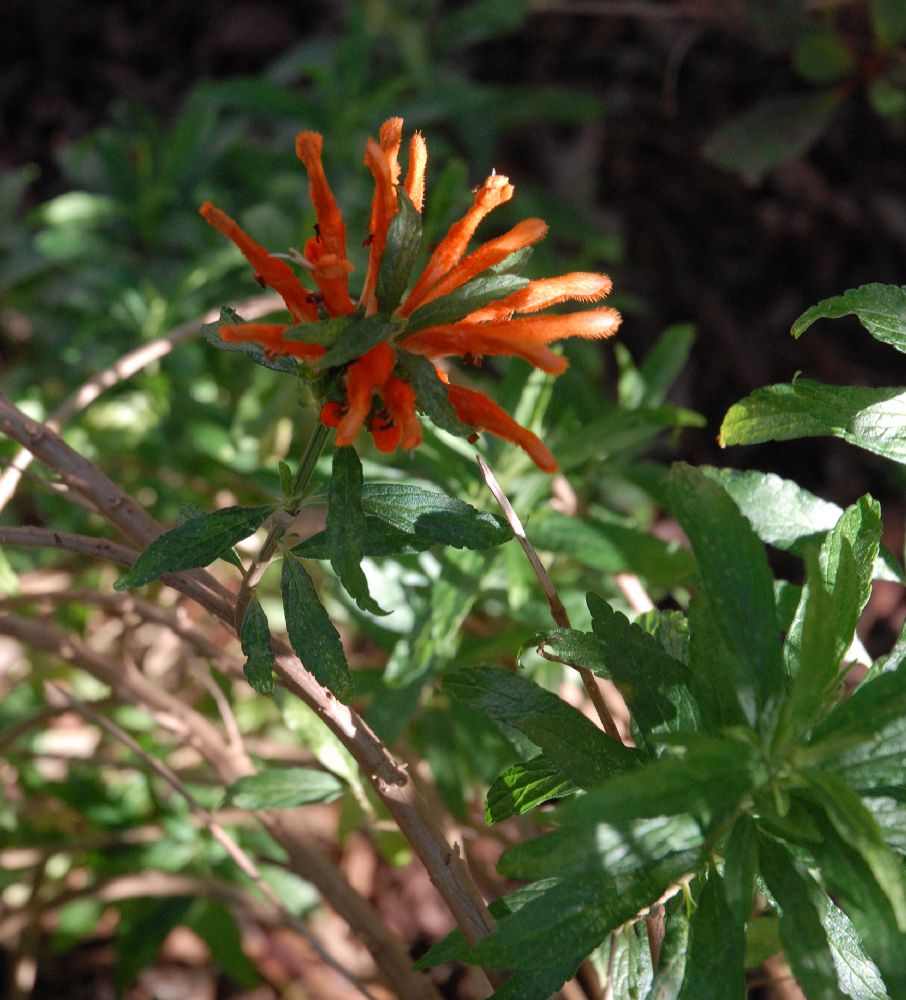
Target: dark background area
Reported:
[(739, 260)]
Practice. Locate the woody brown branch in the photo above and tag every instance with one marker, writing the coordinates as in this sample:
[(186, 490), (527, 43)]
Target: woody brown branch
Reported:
[(444, 865), (230, 763)]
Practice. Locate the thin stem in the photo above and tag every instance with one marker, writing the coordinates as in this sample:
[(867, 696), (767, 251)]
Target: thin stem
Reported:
[(558, 611), (259, 564)]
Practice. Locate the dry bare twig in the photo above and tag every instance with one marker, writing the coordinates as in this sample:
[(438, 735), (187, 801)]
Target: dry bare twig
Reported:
[(390, 780)]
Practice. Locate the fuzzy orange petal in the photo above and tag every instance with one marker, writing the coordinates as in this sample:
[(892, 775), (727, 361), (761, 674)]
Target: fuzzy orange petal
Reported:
[(383, 208), (415, 172), (495, 191), (460, 340), (331, 274), (270, 337), (273, 271), (522, 235), (582, 286), (400, 399), (364, 376), (391, 137), (476, 410), (331, 229)]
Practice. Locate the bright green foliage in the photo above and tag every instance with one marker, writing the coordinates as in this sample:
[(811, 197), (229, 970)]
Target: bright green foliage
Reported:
[(283, 788), (196, 542)]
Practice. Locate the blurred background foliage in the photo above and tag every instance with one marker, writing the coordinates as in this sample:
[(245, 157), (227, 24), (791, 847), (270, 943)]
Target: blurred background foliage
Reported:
[(728, 163)]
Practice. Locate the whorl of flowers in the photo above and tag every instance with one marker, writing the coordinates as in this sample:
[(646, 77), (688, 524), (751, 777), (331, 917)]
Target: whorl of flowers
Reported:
[(377, 354)]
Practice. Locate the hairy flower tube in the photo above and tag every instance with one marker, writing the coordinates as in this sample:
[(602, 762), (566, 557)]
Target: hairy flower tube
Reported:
[(377, 355)]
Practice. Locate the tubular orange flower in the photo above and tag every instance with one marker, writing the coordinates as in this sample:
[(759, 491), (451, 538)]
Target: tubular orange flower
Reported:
[(368, 355)]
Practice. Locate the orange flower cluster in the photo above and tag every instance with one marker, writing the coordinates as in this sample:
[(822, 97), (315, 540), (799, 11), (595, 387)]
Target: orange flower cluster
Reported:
[(461, 304)]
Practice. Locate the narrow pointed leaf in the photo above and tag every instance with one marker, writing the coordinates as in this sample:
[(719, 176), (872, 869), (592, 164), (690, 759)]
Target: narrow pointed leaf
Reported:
[(431, 394), (858, 976), (466, 299), (354, 341), (196, 542), (867, 418), (253, 351), (801, 901), (434, 516), (283, 788), (346, 527), (717, 946), (525, 786), (404, 235), (379, 539), (858, 828), (881, 310), (738, 583), (573, 743), (786, 516), (656, 687), (255, 638), (312, 634)]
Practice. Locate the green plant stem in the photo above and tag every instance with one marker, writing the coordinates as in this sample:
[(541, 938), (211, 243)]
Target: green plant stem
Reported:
[(259, 564)]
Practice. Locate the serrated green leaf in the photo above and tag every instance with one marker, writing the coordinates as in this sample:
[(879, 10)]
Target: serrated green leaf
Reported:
[(738, 583), (434, 516), (772, 132), (613, 548), (786, 516), (569, 646), (312, 634), (524, 786), (583, 752), (404, 235), (837, 588), (346, 528), (255, 638), (656, 687), (868, 713), (706, 781), (857, 827), (255, 352), (848, 877), (572, 917), (872, 419), (857, 974), (584, 849), (283, 788), (379, 539), (881, 310), (463, 300), (356, 340), (431, 394), (194, 543), (717, 946), (801, 901)]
